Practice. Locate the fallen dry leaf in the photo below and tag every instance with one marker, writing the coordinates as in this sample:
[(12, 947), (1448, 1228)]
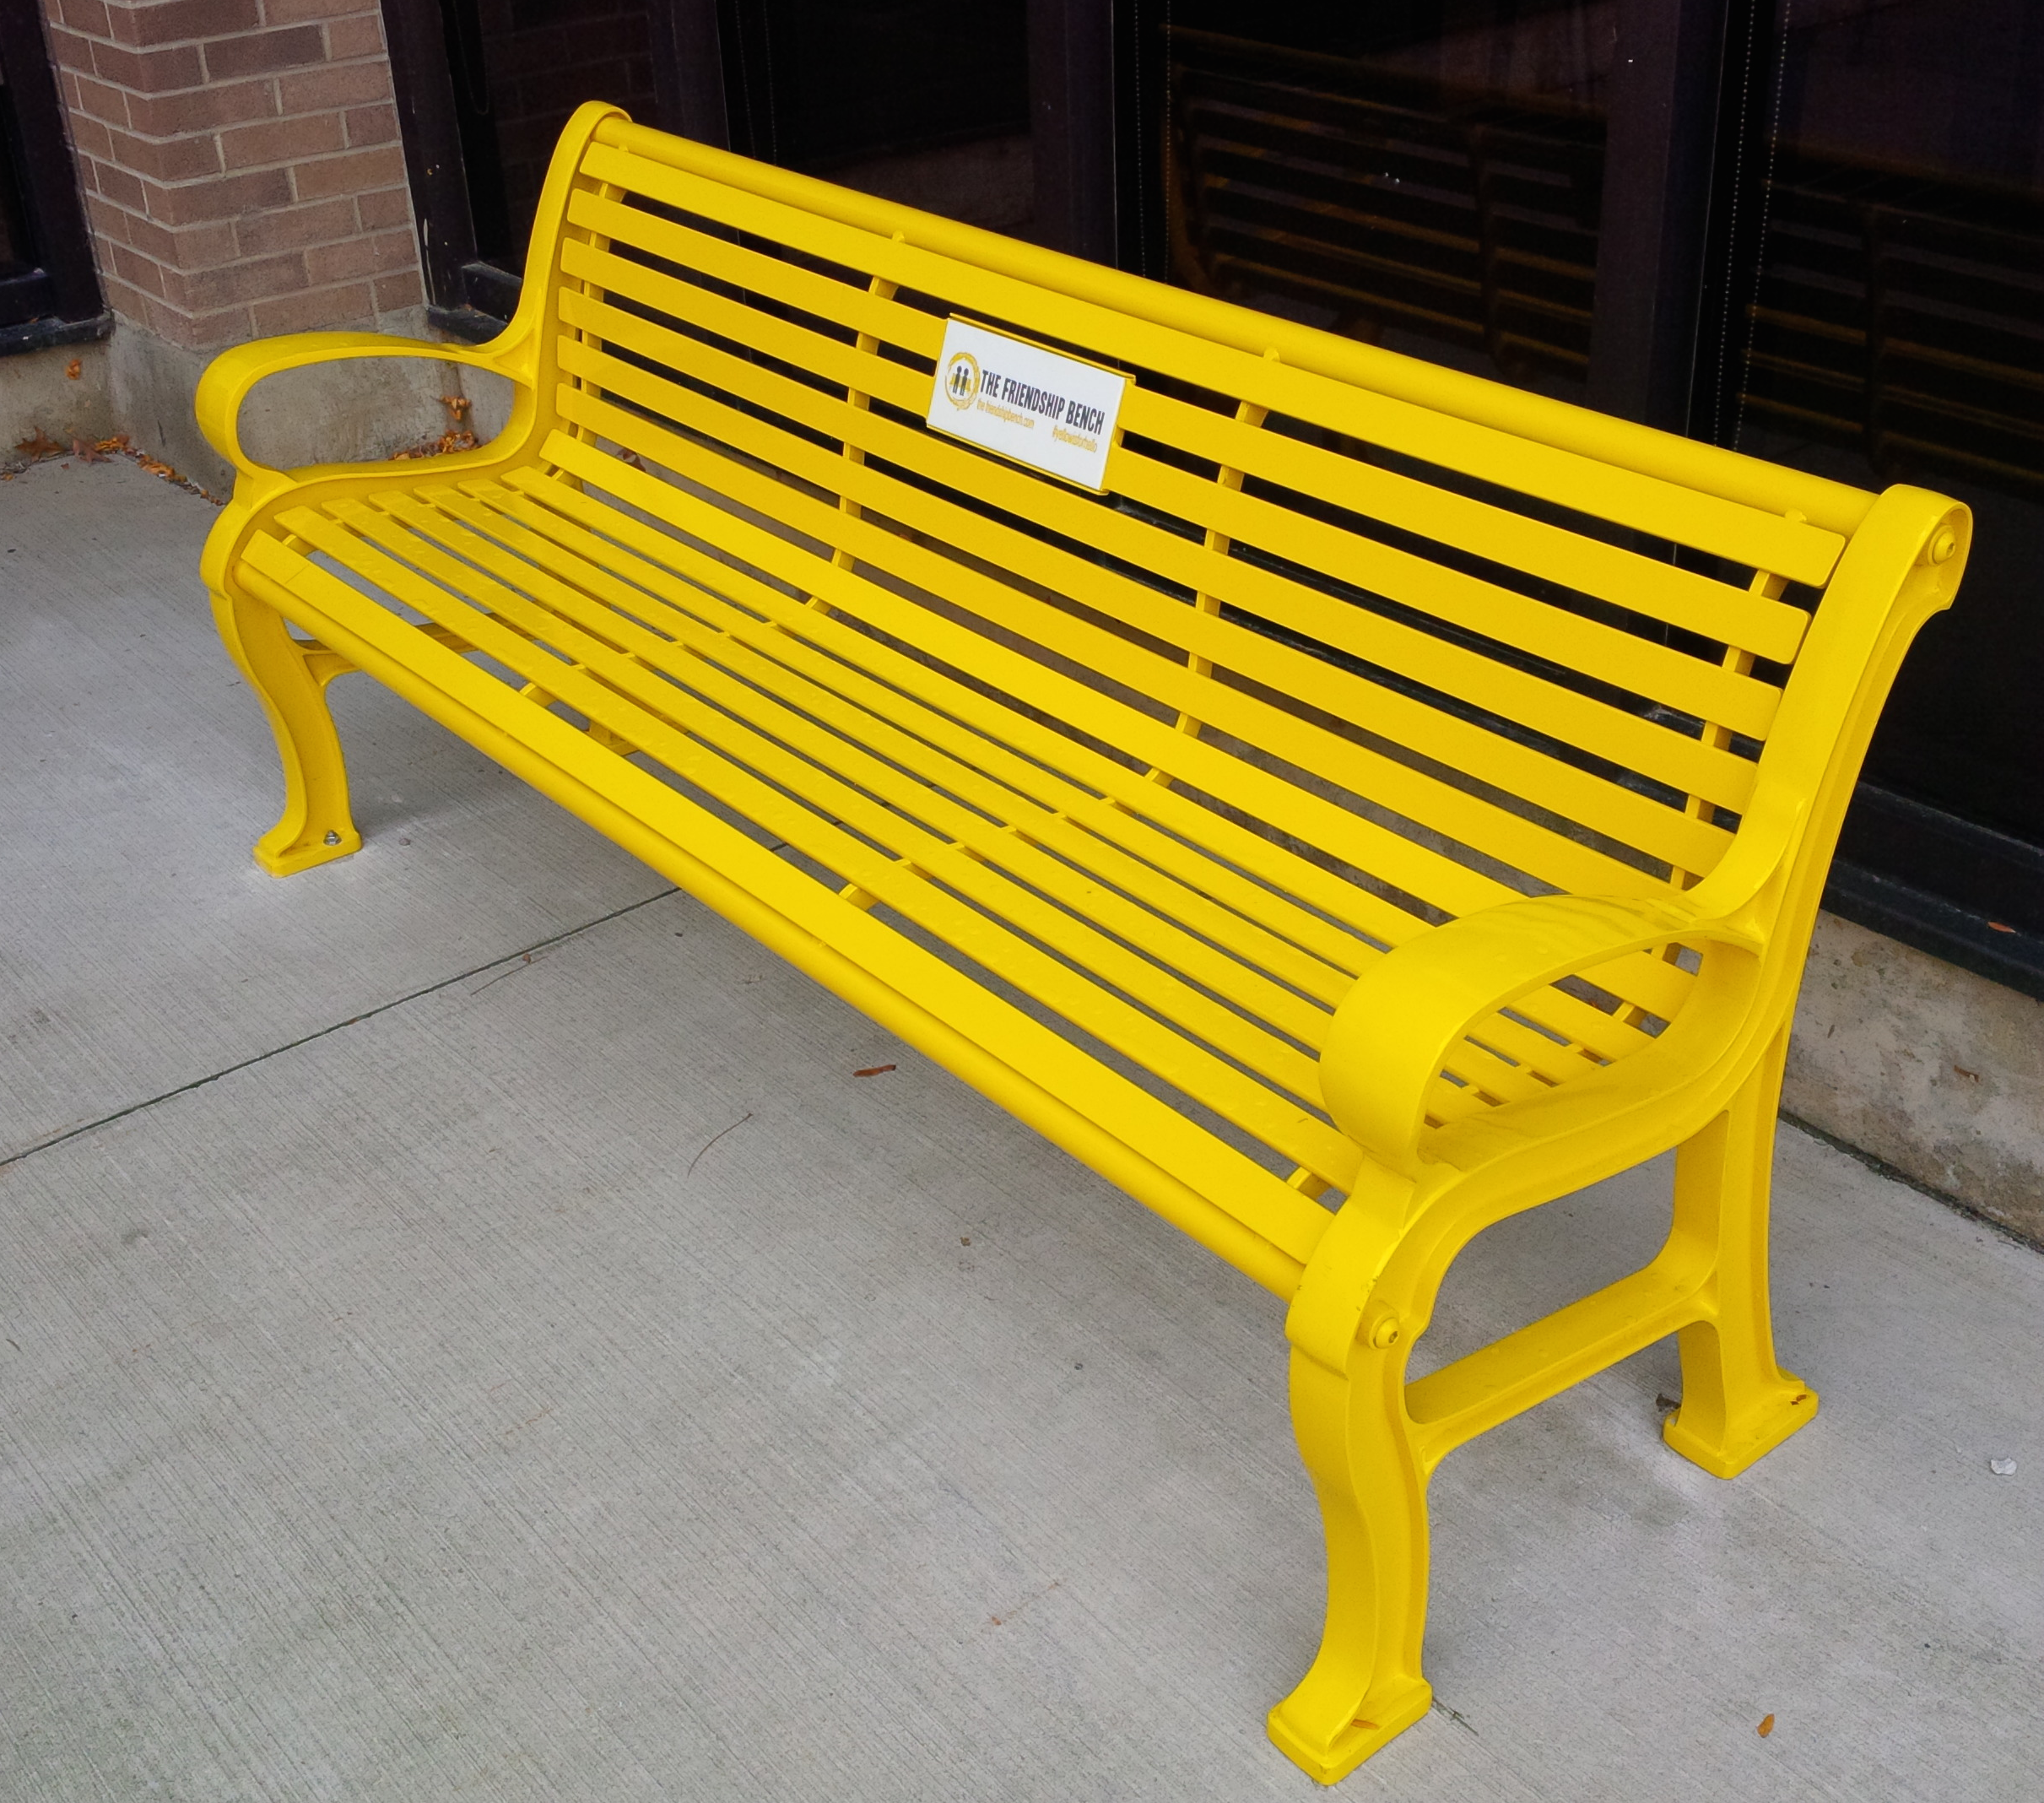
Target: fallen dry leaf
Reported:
[(873, 1070), (2001, 926), (41, 445), (74, 369), (87, 451), (1766, 1727)]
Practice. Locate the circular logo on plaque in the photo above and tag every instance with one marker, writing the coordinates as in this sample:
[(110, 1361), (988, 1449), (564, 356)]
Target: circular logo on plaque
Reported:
[(961, 379)]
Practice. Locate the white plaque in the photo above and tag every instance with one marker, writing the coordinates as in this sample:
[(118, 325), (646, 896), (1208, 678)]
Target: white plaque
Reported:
[(1054, 413)]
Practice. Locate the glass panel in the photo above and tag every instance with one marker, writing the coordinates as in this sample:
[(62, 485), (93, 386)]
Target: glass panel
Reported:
[(520, 68), (1895, 333), (1425, 175), (17, 251), (922, 101)]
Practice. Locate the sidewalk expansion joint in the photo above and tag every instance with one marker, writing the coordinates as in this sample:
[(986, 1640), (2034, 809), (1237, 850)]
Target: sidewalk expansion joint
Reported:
[(523, 955)]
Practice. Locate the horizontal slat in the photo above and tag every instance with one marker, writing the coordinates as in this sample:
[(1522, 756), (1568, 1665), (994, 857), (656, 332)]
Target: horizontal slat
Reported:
[(1803, 553), (1683, 764), (1262, 796), (1621, 659), (1114, 805), (719, 754), (982, 772), (1660, 590), (723, 865), (1412, 866), (909, 777)]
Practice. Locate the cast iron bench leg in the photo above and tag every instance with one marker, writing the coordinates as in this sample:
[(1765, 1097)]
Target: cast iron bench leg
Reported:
[(290, 679), (1365, 1686), (1737, 1403)]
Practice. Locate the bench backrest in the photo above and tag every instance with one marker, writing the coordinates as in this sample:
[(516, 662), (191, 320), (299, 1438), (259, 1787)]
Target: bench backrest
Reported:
[(1440, 640)]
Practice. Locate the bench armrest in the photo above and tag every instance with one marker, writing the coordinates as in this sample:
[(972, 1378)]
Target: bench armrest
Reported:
[(1399, 1023), (228, 379)]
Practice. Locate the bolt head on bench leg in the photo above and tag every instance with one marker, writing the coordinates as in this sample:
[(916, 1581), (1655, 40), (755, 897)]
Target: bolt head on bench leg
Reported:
[(283, 852)]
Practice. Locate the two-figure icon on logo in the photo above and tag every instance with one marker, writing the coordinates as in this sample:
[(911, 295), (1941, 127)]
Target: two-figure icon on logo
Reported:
[(961, 382)]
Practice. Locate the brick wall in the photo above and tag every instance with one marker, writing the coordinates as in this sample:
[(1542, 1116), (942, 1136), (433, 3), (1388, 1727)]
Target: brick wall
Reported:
[(241, 163)]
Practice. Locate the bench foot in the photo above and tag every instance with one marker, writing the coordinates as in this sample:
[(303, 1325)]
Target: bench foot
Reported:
[(290, 678), (1738, 1405), (1365, 1686), (1383, 1715), (1725, 1449)]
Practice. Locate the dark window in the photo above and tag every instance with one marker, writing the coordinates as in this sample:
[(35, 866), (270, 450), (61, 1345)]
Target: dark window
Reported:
[(1888, 326)]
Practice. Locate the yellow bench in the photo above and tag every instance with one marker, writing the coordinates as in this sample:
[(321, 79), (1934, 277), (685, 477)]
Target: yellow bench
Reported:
[(1397, 801)]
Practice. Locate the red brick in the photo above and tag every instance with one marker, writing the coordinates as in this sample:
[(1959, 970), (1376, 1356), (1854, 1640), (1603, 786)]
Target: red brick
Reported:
[(262, 279), (191, 247), (204, 109), (370, 124), (329, 85), (261, 52), (202, 331), (119, 187), (306, 12), (141, 272), (148, 71), (89, 138), (349, 173), (130, 303), (109, 221), (227, 326), (355, 37), (293, 228), (388, 207), (384, 254), (394, 293), (321, 307), (99, 101), (179, 21), (167, 159), (282, 140), (89, 16), (229, 198), (68, 50)]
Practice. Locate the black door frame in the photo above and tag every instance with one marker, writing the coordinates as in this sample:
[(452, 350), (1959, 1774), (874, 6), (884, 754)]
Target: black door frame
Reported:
[(56, 300)]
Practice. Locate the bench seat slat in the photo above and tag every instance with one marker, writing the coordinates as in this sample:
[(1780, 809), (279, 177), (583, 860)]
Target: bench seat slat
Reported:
[(1105, 814), (1727, 529), (1454, 887), (740, 767), (1116, 803), (978, 770), (912, 779), (1686, 765), (1211, 1168), (1157, 932)]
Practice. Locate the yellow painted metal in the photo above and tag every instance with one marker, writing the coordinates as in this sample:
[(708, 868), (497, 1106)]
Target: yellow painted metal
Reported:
[(1341, 836)]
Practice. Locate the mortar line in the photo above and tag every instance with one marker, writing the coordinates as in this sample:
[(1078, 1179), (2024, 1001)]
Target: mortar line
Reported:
[(307, 1039)]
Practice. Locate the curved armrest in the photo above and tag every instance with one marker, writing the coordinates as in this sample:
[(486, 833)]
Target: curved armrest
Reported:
[(1399, 1024), (228, 377)]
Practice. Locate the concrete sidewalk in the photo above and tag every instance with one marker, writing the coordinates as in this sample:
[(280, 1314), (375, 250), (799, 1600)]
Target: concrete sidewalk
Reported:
[(465, 1330)]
